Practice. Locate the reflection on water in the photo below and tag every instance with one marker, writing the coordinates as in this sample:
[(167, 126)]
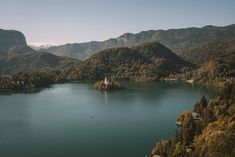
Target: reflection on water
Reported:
[(76, 120), (106, 97)]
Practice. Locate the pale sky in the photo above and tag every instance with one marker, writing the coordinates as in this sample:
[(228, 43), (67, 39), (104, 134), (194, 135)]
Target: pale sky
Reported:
[(69, 21)]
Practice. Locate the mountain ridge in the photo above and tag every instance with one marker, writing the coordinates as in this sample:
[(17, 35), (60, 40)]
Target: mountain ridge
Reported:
[(175, 39)]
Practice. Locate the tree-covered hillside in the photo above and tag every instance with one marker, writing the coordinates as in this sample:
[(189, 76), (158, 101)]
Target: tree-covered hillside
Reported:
[(209, 134), (37, 61), (146, 62), (217, 64), (202, 53)]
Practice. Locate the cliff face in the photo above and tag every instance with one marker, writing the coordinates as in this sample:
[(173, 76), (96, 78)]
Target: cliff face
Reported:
[(9, 38)]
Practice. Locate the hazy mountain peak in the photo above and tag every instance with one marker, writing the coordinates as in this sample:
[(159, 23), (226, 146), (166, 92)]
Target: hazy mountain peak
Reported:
[(37, 46)]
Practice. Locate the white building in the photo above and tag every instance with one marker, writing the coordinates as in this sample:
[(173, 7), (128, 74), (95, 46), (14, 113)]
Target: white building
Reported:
[(106, 81)]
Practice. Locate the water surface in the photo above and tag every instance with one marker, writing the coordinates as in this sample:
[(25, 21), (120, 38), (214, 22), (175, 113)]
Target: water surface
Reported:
[(76, 120)]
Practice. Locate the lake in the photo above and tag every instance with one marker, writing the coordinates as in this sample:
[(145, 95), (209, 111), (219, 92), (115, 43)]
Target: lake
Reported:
[(76, 120)]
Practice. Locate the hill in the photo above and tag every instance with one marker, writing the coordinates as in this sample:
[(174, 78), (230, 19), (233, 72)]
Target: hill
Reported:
[(38, 61), (215, 73), (146, 62), (16, 56), (208, 51), (216, 69), (178, 40)]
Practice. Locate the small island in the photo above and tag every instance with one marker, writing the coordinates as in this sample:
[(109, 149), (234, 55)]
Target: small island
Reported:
[(107, 85)]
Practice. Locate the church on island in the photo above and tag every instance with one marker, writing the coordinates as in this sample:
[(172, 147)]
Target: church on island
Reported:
[(106, 84), (106, 81)]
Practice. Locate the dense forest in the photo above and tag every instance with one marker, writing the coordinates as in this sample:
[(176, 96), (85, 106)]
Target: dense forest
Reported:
[(208, 51), (30, 80), (146, 62), (217, 65), (209, 135)]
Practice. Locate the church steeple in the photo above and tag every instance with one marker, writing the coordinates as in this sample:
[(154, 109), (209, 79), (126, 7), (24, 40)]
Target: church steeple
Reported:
[(106, 82)]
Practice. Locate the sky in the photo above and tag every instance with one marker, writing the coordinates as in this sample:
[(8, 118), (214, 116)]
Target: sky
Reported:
[(69, 21)]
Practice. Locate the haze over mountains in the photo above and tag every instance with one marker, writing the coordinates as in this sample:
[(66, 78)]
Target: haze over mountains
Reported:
[(16, 55), (178, 40), (38, 46)]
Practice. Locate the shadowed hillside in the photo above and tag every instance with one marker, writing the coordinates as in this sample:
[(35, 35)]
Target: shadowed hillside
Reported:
[(11, 38), (16, 56)]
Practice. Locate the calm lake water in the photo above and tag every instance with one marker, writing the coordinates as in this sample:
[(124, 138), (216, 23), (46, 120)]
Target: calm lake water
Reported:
[(77, 121)]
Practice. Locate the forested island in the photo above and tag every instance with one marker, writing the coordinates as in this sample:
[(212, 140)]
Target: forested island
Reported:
[(107, 85)]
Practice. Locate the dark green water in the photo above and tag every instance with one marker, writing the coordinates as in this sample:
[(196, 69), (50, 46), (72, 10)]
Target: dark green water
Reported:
[(76, 121)]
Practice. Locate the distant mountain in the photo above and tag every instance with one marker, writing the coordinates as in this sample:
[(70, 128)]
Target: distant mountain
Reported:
[(38, 46), (16, 56), (178, 40), (146, 62)]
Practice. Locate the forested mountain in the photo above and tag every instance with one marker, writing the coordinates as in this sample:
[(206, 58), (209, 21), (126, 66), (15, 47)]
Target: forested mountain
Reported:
[(178, 40), (16, 56), (217, 64), (216, 72), (208, 51), (146, 62)]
